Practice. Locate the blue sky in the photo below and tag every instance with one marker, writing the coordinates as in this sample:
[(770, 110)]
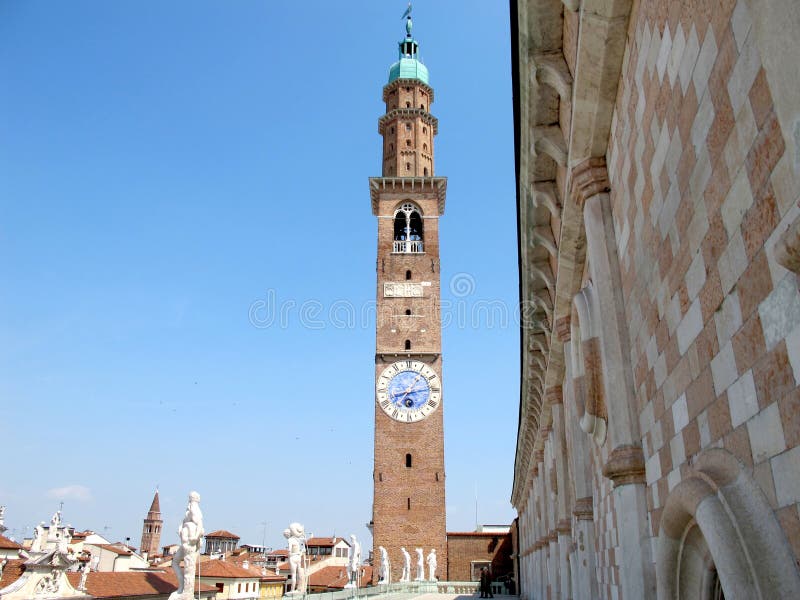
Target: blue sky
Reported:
[(172, 171)]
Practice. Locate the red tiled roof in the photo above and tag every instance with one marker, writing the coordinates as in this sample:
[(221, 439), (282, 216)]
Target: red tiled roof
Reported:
[(324, 541), (222, 569), (477, 533), (337, 578), (221, 533), (130, 583), (113, 548), (7, 544), (280, 552), (12, 571)]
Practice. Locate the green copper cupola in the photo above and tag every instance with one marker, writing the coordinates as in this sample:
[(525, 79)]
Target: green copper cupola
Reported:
[(409, 66)]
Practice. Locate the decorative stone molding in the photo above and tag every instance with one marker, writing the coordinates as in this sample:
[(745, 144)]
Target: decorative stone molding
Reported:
[(551, 69), (625, 465), (543, 236), (589, 178), (584, 509), (787, 249), (564, 329), (549, 140), (544, 194)]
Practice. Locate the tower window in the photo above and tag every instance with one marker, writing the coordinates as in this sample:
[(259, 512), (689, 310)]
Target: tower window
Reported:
[(408, 344), (437, 476), (425, 147), (424, 130), (408, 104), (408, 312), (380, 476), (408, 126), (408, 143), (408, 228), (408, 461), (408, 275), (391, 130), (425, 171), (391, 147), (408, 503), (408, 166), (422, 106)]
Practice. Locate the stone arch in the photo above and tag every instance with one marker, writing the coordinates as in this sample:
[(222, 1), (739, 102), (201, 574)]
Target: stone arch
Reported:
[(717, 523), (587, 366)]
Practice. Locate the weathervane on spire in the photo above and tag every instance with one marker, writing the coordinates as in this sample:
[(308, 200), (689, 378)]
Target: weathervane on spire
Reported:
[(407, 17)]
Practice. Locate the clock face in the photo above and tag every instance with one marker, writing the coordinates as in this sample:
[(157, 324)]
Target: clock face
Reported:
[(408, 391)]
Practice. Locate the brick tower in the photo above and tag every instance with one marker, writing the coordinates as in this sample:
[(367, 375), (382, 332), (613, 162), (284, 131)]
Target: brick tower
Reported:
[(151, 529), (409, 480)]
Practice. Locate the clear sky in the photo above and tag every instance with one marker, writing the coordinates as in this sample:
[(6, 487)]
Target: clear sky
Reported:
[(173, 175)]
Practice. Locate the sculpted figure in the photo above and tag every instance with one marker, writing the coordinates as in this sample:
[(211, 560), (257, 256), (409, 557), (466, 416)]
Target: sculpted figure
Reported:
[(353, 561), (294, 535), (385, 570), (84, 572), (406, 575), (420, 566), (432, 565), (38, 537), (190, 533)]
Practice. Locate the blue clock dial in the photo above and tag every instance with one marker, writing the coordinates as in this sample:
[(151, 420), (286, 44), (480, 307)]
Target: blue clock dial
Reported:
[(408, 390)]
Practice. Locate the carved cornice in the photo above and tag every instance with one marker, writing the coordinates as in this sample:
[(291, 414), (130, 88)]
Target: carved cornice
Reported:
[(584, 509), (404, 83), (407, 185), (408, 113), (625, 465), (589, 178)]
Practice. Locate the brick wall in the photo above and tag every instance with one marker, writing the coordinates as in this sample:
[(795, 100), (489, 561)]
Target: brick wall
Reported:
[(464, 548)]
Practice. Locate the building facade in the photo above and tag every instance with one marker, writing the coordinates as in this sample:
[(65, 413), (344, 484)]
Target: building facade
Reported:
[(659, 243), (409, 488)]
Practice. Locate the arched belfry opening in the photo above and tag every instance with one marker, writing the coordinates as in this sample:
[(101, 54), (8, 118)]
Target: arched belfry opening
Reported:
[(408, 234)]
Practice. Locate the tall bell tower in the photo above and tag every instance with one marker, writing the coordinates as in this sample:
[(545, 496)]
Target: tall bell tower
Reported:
[(409, 478)]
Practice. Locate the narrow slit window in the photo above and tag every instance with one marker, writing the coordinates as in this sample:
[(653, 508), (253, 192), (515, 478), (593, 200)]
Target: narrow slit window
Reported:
[(408, 275), (408, 503), (408, 461), (408, 344), (408, 312)]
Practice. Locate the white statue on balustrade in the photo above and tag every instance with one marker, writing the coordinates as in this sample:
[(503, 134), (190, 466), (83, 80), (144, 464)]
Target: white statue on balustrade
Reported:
[(295, 535), (406, 574), (386, 572), (190, 535), (353, 562), (420, 566), (432, 565)]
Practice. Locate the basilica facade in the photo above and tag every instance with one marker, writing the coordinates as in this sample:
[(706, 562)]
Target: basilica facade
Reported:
[(658, 168)]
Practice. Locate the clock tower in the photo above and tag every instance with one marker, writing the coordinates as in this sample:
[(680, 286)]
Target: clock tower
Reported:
[(409, 479)]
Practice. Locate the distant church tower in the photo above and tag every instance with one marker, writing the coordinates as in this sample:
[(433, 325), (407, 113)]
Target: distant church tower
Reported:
[(151, 530), (409, 479)]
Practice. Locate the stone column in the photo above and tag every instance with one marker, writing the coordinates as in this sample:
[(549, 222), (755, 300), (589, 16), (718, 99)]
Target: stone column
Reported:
[(625, 466), (584, 577)]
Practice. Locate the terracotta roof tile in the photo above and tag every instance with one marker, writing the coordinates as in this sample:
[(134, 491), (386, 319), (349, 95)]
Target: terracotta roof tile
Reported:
[(324, 541), (224, 569), (221, 533), (130, 583), (12, 571), (7, 544), (336, 577)]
